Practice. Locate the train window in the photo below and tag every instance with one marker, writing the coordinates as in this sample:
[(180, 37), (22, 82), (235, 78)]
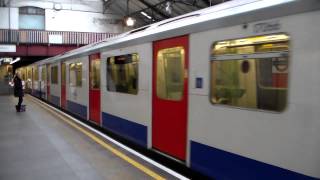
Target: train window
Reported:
[(54, 75), (63, 73), (95, 74), (29, 73), (122, 73), (36, 74), (170, 73), (43, 74), (75, 74), (251, 72)]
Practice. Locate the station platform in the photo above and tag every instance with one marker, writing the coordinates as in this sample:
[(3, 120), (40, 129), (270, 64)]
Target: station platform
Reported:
[(43, 144)]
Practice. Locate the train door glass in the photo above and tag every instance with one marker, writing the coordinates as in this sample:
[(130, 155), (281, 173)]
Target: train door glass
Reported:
[(36, 88), (170, 96), (48, 83), (43, 82), (94, 89), (63, 85), (251, 72), (170, 73)]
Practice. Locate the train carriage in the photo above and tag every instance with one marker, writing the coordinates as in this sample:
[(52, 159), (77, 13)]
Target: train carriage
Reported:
[(125, 77), (230, 91)]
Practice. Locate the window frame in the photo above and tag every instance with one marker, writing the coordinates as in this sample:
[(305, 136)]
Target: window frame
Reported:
[(183, 74), (91, 75), (24, 11), (77, 84), (137, 70), (36, 73), (258, 54), (51, 75)]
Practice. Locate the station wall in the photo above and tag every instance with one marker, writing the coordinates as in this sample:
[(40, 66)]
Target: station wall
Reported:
[(67, 20)]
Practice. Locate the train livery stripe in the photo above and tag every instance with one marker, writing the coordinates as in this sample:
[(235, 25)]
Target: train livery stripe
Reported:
[(128, 129), (36, 93), (55, 100), (77, 109), (225, 165)]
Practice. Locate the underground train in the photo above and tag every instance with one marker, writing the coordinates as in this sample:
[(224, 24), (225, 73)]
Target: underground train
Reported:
[(231, 91)]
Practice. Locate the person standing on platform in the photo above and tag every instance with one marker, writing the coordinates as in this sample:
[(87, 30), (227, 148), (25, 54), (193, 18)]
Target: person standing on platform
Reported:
[(18, 90)]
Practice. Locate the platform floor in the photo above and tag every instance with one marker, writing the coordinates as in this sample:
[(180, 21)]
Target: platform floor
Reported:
[(37, 145)]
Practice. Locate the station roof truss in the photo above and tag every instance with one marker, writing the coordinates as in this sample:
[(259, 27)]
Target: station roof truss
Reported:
[(157, 10)]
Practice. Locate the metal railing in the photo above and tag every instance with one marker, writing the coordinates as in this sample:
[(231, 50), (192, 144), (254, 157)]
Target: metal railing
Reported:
[(42, 37)]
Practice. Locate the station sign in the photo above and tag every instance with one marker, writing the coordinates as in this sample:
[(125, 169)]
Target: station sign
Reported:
[(55, 39), (8, 48)]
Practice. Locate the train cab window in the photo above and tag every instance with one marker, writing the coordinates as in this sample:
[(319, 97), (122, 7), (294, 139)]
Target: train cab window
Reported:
[(75, 74), (122, 73), (251, 72), (54, 75), (170, 73), (95, 74)]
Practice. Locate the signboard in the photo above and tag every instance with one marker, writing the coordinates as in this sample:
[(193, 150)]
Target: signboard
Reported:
[(8, 48), (266, 27), (55, 39)]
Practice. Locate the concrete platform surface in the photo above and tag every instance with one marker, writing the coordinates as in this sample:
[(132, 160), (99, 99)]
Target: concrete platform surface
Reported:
[(37, 145)]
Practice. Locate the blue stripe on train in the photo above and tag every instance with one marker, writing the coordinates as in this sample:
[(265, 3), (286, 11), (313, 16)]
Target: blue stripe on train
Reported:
[(77, 109), (55, 100), (128, 129), (43, 95), (220, 164), (36, 93)]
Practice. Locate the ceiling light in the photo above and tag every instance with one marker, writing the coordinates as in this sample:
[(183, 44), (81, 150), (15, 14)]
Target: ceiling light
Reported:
[(168, 7), (146, 15), (130, 21), (16, 60)]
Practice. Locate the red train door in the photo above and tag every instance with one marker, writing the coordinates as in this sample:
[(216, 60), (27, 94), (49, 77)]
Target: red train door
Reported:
[(170, 96), (48, 83), (94, 88), (63, 85)]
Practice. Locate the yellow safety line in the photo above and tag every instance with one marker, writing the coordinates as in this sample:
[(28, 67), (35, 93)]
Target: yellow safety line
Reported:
[(105, 145)]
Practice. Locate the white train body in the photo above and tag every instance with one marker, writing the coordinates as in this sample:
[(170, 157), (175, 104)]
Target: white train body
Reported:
[(222, 141)]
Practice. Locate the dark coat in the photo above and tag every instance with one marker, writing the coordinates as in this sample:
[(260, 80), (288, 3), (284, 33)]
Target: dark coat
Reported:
[(18, 90)]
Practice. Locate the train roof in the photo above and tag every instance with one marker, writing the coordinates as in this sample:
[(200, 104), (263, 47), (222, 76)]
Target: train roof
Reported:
[(226, 14)]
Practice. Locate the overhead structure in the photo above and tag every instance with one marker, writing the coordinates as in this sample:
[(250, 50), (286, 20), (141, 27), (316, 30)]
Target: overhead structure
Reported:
[(149, 11)]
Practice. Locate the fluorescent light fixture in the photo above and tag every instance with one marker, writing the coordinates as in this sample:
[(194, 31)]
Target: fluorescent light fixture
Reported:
[(146, 15), (168, 7), (16, 60)]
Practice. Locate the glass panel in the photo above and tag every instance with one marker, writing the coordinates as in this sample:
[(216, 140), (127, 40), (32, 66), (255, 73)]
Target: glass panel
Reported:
[(63, 73), (75, 76), (31, 22), (123, 73), (276, 42), (259, 83), (31, 10), (95, 74), (54, 75), (170, 73), (31, 18), (43, 74), (36, 74), (29, 73)]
